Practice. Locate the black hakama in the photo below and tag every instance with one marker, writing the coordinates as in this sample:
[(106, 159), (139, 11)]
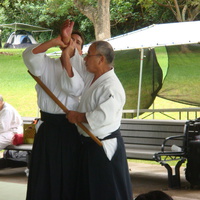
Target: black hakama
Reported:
[(100, 178), (54, 160)]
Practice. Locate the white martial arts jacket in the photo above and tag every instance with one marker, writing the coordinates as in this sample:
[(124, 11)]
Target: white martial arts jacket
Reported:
[(10, 123), (50, 71), (102, 101), (10, 120)]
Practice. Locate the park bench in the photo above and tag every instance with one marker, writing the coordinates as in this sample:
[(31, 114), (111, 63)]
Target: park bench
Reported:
[(153, 140), (145, 140)]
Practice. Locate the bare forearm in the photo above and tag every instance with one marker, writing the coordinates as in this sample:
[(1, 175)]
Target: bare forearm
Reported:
[(47, 45), (65, 59)]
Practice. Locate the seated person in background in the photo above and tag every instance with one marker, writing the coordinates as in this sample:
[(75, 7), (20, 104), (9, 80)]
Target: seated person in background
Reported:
[(154, 195), (10, 124)]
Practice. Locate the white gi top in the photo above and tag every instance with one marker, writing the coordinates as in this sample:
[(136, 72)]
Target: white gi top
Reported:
[(10, 120), (50, 71), (102, 101), (10, 123)]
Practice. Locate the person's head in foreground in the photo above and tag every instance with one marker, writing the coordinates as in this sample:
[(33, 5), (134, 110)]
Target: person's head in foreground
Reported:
[(154, 195)]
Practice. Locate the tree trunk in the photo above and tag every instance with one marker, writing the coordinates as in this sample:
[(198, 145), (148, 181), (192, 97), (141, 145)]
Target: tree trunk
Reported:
[(178, 12), (100, 16), (102, 20)]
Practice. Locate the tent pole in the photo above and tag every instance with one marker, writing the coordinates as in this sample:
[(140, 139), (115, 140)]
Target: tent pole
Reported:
[(140, 82), (51, 35)]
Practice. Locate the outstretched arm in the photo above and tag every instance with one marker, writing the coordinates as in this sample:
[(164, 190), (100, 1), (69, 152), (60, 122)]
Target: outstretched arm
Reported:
[(47, 45), (67, 53)]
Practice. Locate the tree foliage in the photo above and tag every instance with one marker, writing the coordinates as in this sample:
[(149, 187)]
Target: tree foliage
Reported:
[(125, 16), (98, 12), (183, 10)]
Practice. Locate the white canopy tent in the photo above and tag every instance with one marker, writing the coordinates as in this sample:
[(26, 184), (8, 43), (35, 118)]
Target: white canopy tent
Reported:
[(157, 35), (22, 35), (26, 27), (154, 36)]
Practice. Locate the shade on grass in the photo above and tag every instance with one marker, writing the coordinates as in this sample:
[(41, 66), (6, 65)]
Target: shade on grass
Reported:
[(181, 83), (127, 65)]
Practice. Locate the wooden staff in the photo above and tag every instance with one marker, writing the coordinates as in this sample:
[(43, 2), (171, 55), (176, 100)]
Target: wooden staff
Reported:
[(57, 101)]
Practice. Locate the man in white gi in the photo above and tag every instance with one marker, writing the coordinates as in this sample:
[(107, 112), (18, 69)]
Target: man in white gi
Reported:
[(56, 148), (104, 173), (10, 124)]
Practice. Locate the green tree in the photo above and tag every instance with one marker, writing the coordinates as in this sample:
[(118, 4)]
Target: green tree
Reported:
[(183, 10), (125, 16), (99, 14), (29, 12)]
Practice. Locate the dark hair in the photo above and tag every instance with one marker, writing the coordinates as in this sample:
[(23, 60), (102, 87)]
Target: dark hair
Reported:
[(105, 49), (154, 195), (75, 32)]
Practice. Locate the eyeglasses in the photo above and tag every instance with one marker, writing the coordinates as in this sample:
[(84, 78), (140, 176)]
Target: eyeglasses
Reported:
[(87, 55)]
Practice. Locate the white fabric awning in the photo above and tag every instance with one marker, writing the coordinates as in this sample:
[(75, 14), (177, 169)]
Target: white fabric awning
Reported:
[(154, 36), (26, 27), (157, 35)]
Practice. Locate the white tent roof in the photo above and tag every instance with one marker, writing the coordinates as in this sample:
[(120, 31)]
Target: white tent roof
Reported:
[(27, 27), (157, 35)]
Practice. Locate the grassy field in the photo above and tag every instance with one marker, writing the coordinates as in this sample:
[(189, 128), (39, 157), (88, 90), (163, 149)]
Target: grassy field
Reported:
[(17, 86), (161, 103)]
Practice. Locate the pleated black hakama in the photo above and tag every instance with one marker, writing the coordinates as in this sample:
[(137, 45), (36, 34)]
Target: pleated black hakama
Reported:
[(54, 161), (101, 178)]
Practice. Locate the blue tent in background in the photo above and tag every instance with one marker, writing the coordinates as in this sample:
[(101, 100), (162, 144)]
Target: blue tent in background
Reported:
[(22, 35)]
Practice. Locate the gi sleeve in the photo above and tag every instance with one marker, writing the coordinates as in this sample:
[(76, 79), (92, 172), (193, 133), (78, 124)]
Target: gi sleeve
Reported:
[(72, 85), (34, 62), (78, 64)]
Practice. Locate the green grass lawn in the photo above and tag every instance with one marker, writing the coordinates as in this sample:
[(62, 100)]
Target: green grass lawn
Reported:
[(18, 87), (171, 163)]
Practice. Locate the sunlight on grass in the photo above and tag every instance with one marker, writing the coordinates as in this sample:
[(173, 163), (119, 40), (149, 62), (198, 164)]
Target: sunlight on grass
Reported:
[(17, 86), (162, 58), (171, 163)]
